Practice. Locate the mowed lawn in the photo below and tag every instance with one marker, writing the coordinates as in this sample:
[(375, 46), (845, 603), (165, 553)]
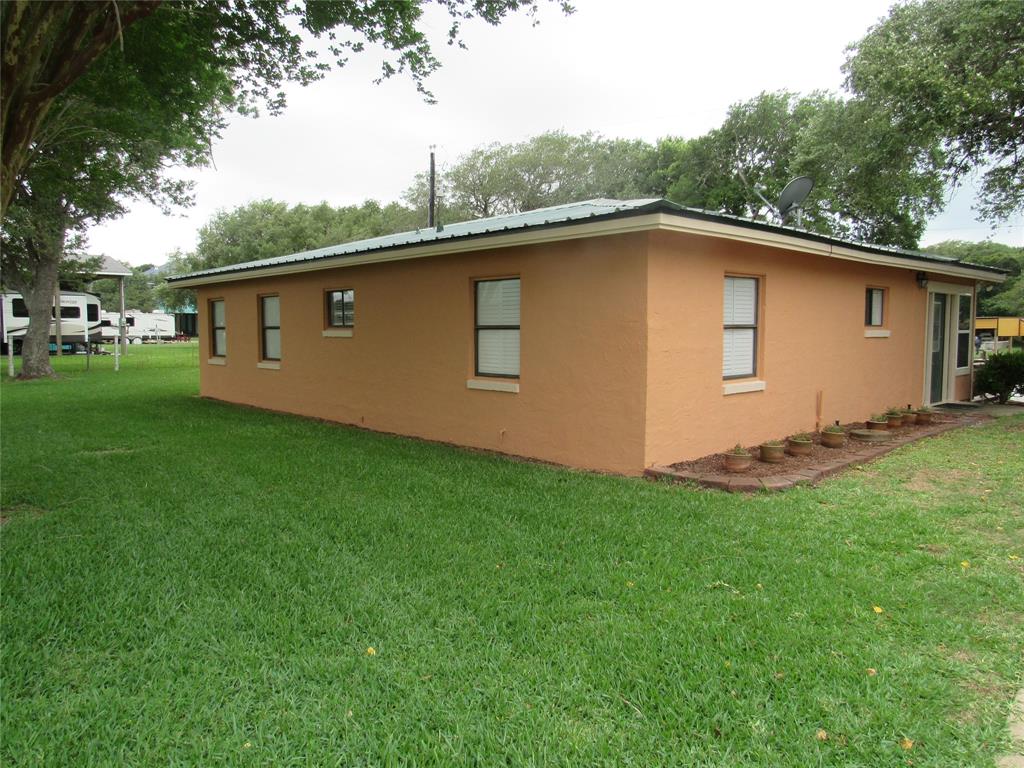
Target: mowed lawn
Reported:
[(191, 583)]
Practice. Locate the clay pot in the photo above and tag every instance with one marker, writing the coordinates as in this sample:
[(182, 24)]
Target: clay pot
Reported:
[(833, 439), (737, 462), (895, 421), (909, 418), (799, 447), (924, 417), (879, 425), (773, 454)]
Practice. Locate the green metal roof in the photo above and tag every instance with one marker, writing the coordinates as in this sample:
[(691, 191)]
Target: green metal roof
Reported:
[(555, 216)]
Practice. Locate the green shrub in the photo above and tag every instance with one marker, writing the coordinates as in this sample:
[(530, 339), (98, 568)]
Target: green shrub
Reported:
[(1002, 375)]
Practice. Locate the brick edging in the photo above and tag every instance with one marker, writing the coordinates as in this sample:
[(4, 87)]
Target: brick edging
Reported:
[(738, 483)]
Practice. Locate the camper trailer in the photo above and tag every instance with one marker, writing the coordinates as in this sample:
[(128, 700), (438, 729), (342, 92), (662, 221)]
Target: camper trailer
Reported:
[(79, 320), (139, 326)]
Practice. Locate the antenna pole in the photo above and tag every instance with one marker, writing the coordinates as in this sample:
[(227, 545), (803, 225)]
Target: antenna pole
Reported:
[(432, 201)]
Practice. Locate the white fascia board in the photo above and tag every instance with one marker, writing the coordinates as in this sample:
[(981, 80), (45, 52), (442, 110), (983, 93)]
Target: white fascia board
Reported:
[(626, 225)]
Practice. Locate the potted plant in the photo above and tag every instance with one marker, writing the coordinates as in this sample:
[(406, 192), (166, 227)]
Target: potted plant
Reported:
[(772, 451), (894, 416), (878, 421), (737, 459), (924, 415), (909, 416), (833, 436), (800, 445)]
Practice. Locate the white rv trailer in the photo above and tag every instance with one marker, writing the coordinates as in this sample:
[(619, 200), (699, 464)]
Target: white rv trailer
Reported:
[(139, 326), (79, 323)]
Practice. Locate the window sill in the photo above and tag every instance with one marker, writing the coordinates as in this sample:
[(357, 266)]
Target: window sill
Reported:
[(961, 371), (217, 361), (493, 385), (876, 333), (269, 365), (740, 387), (337, 333)]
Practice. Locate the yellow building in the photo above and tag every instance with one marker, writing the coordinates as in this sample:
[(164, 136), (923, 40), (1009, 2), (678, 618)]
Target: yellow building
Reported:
[(1000, 332)]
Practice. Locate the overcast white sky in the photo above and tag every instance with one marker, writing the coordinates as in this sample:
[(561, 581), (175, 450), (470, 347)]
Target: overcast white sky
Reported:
[(638, 69)]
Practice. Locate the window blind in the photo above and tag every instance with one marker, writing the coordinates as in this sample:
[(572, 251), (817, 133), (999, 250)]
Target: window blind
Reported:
[(497, 327), (739, 339)]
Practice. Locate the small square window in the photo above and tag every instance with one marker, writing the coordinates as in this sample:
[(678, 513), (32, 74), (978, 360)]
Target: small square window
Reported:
[(341, 308)]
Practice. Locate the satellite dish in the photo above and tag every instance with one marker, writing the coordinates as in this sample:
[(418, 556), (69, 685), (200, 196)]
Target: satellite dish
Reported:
[(794, 194)]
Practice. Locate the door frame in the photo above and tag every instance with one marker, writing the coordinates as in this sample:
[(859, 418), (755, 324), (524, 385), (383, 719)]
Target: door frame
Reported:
[(953, 293)]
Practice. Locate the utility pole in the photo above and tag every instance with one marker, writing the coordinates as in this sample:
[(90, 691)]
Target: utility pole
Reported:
[(432, 200)]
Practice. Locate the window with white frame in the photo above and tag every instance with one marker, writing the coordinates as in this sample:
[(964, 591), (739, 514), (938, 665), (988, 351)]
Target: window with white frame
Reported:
[(874, 303), (218, 329), (270, 327), (497, 327), (739, 343), (963, 332)]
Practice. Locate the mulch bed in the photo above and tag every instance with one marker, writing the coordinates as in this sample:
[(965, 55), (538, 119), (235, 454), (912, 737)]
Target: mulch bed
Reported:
[(710, 470)]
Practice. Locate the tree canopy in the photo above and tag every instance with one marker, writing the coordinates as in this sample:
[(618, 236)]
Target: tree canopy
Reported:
[(258, 44), (953, 71), (1005, 299)]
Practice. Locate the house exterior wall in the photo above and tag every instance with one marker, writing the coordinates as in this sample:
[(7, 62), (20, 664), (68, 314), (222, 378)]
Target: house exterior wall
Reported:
[(405, 367), (811, 343), (621, 348)]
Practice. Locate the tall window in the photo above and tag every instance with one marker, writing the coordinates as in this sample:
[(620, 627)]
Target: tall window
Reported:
[(497, 327), (270, 327), (92, 312), (963, 332), (218, 329), (874, 300), (739, 345), (341, 308)]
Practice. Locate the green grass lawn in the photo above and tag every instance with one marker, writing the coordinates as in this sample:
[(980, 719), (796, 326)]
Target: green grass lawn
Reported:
[(191, 583)]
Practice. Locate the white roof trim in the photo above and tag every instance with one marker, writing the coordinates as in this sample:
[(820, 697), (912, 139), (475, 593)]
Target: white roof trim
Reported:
[(616, 226)]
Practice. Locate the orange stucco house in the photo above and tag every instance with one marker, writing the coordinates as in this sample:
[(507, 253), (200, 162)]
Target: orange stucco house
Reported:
[(609, 335)]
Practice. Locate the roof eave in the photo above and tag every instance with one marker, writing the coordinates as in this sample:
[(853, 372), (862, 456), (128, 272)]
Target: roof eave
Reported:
[(660, 214)]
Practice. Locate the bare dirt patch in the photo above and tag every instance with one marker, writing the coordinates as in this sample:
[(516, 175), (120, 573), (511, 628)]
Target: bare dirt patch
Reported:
[(928, 480), (20, 510)]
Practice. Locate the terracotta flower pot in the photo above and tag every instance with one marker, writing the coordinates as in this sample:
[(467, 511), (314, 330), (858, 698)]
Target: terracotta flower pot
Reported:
[(833, 439), (737, 462), (924, 417), (879, 425), (799, 447), (909, 418), (895, 421), (773, 454)]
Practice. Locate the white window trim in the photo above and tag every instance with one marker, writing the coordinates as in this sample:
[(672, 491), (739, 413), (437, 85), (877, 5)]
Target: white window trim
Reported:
[(877, 333), (269, 365), (740, 387), (492, 385), (337, 333), (216, 361)]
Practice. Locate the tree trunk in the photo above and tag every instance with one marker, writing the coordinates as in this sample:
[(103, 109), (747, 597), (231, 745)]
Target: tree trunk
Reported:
[(38, 296)]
